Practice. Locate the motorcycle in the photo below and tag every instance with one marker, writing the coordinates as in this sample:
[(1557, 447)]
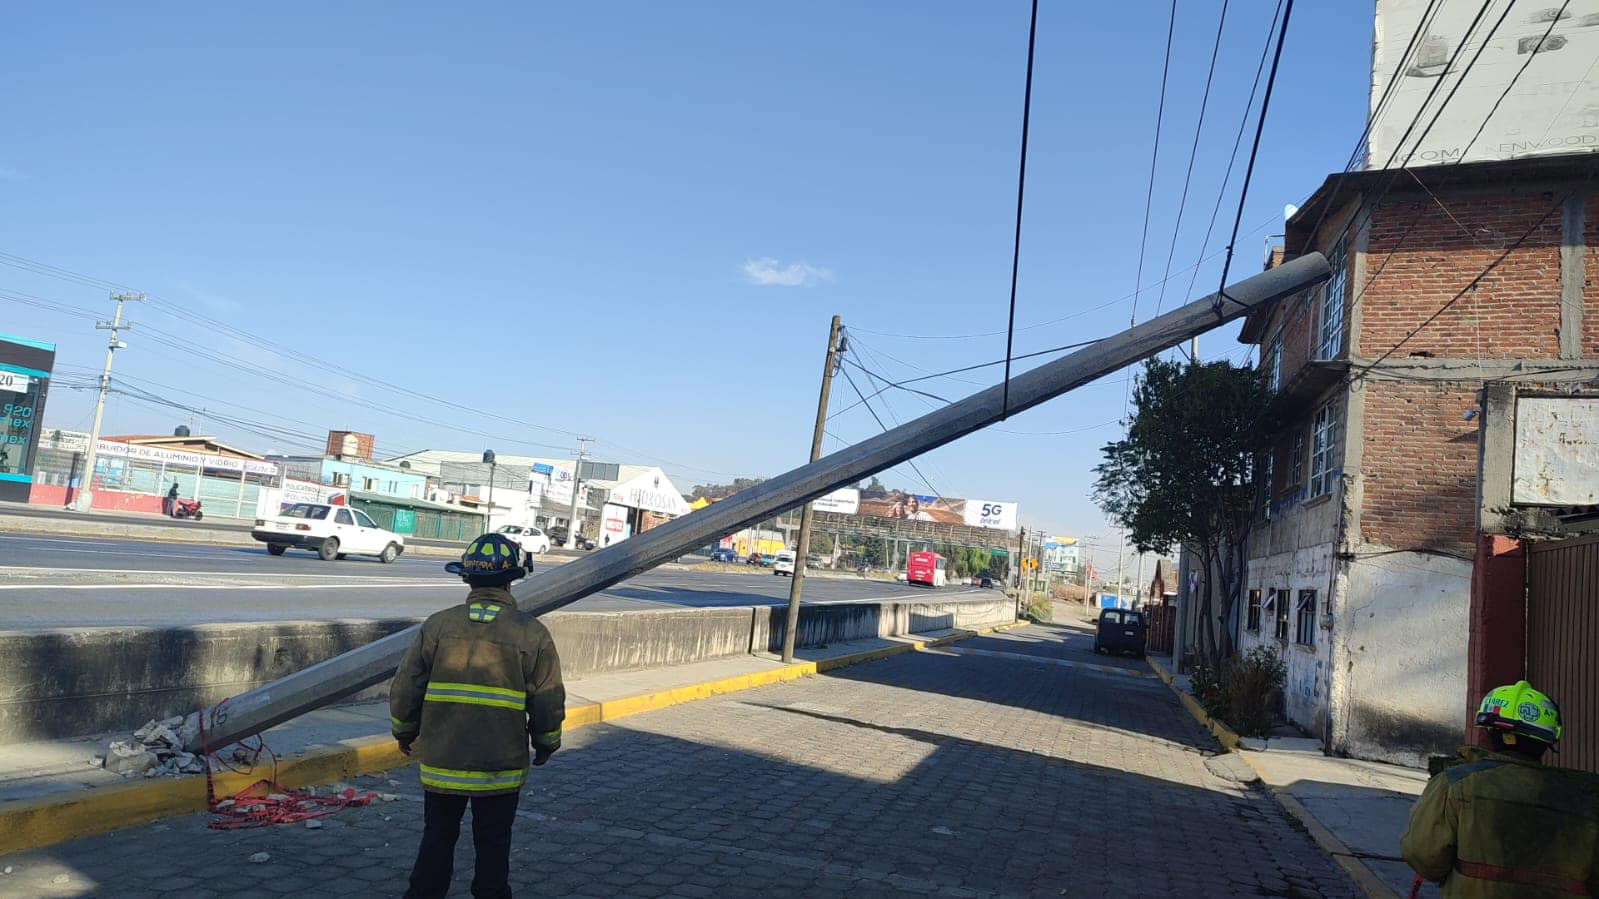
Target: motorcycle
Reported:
[(187, 508)]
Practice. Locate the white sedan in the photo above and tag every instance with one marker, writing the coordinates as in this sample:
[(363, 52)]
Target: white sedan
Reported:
[(532, 540)]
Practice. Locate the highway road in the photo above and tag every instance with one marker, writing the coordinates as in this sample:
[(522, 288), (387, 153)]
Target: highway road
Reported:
[(63, 582)]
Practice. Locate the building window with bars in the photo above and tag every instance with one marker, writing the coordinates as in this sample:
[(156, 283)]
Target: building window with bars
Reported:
[(1323, 440), (1252, 621), (1296, 468), (1305, 619), (1330, 334), (1279, 604)]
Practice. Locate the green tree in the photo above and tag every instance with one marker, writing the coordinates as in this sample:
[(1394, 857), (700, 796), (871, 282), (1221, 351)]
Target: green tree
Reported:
[(821, 543), (1183, 475)]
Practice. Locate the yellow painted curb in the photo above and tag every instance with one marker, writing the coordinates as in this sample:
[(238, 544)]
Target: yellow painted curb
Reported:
[(1364, 878), (42, 821), (1224, 734)]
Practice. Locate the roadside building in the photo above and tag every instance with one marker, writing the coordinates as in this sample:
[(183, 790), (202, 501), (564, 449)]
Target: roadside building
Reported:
[(355, 473), (538, 491), (132, 472), (1360, 563)]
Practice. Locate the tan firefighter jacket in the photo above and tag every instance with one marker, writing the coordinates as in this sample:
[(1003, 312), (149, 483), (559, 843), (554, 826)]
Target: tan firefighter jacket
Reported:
[(480, 682), (1504, 826)]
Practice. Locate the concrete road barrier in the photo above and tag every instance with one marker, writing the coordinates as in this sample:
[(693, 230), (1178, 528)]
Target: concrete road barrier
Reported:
[(65, 683)]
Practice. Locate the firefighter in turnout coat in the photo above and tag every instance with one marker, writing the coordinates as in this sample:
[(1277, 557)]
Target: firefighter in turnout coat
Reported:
[(1501, 825), (480, 685)]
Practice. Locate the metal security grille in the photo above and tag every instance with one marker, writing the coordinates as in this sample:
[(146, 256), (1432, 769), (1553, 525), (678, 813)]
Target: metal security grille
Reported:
[(1563, 641)]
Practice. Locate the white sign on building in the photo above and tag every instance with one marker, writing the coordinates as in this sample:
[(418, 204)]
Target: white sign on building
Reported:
[(1557, 451), (15, 383), (1550, 108)]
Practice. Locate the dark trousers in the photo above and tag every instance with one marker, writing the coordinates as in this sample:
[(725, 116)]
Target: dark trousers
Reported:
[(166, 505), (492, 817)]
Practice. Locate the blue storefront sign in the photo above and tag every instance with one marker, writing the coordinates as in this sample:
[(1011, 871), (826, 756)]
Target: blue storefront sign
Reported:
[(25, 367)]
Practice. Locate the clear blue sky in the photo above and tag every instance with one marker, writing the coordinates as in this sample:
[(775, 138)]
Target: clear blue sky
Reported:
[(564, 211)]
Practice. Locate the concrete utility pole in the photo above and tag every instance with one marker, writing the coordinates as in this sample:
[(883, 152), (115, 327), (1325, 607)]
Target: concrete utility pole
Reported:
[(797, 581), (577, 482), (561, 585), (85, 495)]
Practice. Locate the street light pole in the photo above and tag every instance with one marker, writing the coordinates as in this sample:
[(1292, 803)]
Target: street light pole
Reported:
[(797, 578)]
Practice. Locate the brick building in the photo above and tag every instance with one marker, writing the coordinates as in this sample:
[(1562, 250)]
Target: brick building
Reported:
[(1360, 565)]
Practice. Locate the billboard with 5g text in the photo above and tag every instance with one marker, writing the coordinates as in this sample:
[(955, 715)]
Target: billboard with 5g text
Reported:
[(906, 506)]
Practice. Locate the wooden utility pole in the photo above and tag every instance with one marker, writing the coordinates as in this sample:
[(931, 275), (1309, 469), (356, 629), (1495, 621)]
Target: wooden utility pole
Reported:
[(797, 581)]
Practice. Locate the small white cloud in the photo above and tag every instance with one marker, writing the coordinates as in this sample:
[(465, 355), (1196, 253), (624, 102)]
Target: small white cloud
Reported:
[(768, 272)]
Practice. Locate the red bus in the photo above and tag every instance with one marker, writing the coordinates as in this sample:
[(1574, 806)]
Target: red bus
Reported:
[(925, 568)]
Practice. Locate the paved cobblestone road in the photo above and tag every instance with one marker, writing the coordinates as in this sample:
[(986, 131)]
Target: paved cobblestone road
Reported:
[(928, 773)]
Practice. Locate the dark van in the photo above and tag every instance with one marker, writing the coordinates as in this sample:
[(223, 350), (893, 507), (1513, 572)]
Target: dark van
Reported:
[(1120, 630)]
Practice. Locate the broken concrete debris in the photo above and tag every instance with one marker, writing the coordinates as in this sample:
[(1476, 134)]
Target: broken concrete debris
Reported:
[(156, 749)]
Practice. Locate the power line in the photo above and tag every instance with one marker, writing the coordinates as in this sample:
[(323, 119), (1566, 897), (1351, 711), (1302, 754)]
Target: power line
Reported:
[(1193, 153), (1021, 191), (1232, 158), (853, 386), (963, 369), (1154, 157), (1254, 150)]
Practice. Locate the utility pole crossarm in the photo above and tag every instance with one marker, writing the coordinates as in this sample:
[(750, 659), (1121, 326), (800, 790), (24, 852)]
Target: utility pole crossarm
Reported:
[(260, 708)]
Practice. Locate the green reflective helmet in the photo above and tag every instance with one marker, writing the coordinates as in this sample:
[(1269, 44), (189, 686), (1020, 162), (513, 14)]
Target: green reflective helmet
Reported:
[(1521, 710)]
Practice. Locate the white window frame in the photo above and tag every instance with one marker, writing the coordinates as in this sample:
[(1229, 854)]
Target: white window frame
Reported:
[(1305, 619), (1323, 443), (1274, 363), (1330, 327), (1297, 469)]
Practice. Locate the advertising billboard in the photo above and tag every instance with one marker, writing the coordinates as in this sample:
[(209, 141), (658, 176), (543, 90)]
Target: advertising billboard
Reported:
[(1549, 108), (905, 506), (25, 367)]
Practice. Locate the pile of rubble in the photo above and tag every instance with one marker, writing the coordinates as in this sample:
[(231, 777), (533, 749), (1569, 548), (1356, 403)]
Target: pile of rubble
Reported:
[(156, 749)]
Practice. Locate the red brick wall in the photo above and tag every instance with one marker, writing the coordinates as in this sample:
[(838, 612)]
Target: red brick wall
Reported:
[(1590, 270), (1515, 310), (363, 443), (1419, 461)]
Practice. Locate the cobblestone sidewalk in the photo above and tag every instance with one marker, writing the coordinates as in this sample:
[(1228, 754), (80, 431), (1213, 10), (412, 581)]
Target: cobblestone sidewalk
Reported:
[(928, 773)]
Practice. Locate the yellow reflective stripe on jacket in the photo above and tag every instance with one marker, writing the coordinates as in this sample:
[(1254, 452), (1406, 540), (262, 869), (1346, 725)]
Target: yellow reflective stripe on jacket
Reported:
[(478, 688), (550, 739), (475, 696), (454, 779), (401, 727)]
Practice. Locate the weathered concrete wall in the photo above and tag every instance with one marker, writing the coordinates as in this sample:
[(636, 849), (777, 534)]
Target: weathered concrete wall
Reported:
[(1406, 626), (81, 681), (1305, 690), (62, 683), (591, 642)]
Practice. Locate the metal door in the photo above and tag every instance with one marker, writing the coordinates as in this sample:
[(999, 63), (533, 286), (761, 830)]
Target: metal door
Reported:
[(1563, 641)]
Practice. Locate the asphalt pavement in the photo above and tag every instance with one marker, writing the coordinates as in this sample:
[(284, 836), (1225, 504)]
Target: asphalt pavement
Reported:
[(59, 582)]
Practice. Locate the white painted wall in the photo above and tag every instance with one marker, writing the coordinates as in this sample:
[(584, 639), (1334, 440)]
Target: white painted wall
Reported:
[(1405, 625), (1308, 667)]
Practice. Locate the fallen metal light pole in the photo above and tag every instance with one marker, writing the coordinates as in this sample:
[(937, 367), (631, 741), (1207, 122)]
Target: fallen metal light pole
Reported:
[(256, 710)]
